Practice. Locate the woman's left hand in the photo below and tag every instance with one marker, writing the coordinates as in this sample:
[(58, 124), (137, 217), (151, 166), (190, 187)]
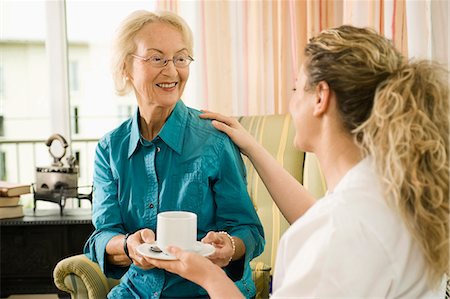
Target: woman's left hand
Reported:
[(224, 248)]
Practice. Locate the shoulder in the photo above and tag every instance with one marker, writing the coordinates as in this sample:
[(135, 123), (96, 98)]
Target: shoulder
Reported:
[(118, 135), (359, 198), (357, 218), (356, 233), (330, 239), (359, 211), (354, 222), (204, 129), (203, 125), (356, 249)]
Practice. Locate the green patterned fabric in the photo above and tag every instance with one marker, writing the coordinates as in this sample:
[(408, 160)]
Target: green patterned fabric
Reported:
[(83, 279)]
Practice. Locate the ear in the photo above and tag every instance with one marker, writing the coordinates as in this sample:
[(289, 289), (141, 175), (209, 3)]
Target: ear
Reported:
[(125, 73), (322, 98)]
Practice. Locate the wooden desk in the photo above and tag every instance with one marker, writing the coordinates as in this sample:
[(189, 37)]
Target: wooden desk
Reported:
[(31, 246)]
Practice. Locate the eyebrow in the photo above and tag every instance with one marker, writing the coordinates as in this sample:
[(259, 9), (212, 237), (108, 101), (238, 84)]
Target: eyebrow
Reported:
[(157, 50)]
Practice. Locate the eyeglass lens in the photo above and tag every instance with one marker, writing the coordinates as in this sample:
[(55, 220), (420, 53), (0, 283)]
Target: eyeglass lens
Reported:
[(178, 61)]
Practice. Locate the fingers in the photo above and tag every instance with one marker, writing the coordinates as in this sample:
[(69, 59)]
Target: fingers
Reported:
[(217, 116), (176, 266), (221, 256), (141, 236), (176, 252), (212, 238), (188, 265), (173, 250), (208, 238), (147, 235), (143, 263), (222, 127), (162, 264)]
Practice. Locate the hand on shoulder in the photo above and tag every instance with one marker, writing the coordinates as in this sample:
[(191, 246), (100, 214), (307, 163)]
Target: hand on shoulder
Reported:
[(231, 126)]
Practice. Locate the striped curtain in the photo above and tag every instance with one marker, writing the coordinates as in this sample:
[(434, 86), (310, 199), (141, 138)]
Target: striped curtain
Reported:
[(247, 53)]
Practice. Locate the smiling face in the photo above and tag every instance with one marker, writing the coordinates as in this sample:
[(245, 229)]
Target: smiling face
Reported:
[(158, 86)]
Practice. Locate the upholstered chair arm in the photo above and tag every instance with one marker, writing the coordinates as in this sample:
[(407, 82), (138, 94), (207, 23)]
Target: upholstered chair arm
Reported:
[(261, 278), (82, 278)]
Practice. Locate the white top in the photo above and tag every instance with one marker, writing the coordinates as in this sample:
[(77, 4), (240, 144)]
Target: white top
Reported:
[(351, 244)]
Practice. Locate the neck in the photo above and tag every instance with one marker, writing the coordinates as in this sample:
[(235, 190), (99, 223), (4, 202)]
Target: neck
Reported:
[(338, 157), (152, 119)]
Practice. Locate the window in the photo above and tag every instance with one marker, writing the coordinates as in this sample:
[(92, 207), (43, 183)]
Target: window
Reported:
[(28, 108), (24, 89), (1, 82), (75, 125), (2, 132), (2, 166), (99, 109), (124, 111), (74, 84)]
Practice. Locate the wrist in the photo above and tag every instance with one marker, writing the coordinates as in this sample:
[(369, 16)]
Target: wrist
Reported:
[(219, 285), (233, 244), (125, 246), (254, 150)]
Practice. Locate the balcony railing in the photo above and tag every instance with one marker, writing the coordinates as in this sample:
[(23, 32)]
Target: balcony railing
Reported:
[(19, 158)]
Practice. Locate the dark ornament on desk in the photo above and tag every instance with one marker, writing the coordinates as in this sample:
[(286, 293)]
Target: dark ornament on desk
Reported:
[(57, 183)]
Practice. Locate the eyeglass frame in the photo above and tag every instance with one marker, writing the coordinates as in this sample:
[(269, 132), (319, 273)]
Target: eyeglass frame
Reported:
[(166, 61)]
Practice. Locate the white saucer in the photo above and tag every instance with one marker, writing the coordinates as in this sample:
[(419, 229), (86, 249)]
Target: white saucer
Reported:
[(145, 249)]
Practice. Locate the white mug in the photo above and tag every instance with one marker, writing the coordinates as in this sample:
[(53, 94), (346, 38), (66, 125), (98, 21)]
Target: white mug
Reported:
[(176, 228)]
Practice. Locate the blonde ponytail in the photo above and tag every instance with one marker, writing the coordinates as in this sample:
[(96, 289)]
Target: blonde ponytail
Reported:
[(407, 133)]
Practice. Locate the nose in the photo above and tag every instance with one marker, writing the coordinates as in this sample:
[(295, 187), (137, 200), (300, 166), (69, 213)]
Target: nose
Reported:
[(169, 68), (167, 62)]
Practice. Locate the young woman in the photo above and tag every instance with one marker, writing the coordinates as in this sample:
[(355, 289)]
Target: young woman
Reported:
[(379, 126)]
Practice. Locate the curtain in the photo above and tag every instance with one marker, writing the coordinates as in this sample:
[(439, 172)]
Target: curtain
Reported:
[(247, 53)]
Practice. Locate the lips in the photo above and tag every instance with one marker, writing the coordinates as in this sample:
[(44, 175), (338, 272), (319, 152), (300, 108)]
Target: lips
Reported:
[(167, 85)]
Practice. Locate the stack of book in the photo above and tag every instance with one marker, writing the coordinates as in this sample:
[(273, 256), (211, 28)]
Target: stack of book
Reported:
[(10, 197)]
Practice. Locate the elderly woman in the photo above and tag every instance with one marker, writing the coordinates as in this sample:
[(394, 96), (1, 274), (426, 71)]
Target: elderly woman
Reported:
[(166, 158)]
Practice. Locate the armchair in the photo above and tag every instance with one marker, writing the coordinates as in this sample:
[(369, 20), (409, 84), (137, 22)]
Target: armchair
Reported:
[(83, 278)]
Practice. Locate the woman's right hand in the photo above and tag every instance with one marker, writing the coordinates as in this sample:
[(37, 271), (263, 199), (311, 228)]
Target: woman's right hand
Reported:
[(201, 271), (231, 126), (141, 236)]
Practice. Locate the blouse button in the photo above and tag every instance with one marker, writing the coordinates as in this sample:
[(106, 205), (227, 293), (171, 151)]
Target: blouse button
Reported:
[(151, 206), (158, 149)]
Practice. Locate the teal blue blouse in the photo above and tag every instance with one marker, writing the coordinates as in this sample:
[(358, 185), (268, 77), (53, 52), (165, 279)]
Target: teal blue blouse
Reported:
[(189, 166)]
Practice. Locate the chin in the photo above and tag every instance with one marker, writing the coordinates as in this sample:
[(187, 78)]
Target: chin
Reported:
[(168, 101), (300, 145), (296, 144)]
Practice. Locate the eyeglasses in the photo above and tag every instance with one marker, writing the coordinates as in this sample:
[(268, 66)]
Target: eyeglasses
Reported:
[(180, 61)]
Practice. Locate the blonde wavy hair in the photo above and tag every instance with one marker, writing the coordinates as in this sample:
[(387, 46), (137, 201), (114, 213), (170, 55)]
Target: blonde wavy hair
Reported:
[(398, 112), (123, 44)]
